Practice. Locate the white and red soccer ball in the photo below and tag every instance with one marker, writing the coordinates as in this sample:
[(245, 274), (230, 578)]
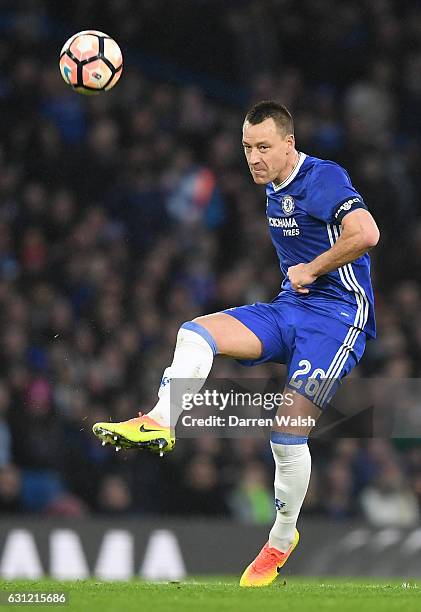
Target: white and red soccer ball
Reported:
[(91, 62)]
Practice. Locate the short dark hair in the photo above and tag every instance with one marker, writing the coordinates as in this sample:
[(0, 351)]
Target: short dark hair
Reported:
[(269, 109)]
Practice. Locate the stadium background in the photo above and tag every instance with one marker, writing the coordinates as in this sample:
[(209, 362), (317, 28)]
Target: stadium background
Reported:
[(124, 215)]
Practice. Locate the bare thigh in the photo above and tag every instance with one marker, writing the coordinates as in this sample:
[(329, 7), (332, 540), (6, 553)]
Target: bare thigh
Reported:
[(232, 338)]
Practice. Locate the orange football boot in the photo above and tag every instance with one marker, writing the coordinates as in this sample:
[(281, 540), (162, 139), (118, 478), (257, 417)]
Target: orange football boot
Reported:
[(267, 565)]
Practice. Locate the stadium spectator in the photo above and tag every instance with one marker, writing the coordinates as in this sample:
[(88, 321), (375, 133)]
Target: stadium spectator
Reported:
[(251, 500), (124, 215), (389, 502)]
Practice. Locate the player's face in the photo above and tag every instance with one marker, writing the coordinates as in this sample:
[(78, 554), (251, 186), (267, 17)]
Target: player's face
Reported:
[(269, 153)]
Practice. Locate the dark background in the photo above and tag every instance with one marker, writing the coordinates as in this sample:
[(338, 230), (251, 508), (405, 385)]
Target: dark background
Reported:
[(124, 215)]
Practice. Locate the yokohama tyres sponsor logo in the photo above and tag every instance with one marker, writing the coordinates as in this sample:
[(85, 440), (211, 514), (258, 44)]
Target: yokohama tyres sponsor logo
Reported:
[(281, 222)]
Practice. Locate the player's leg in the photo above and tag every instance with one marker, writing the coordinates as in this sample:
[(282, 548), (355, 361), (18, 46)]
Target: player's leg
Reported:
[(292, 475), (197, 344), (292, 459), (313, 377), (325, 352)]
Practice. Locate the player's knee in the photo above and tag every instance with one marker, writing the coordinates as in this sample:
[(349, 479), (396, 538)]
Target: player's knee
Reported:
[(296, 417), (293, 426), (232, 337), (291, 434), (200, 330), (285, 438), (200, 320), (209, 322), (213, 326), (220, 328)]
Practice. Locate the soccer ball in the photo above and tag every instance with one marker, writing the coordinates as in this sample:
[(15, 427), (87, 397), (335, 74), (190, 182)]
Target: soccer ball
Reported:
[(91, 62)]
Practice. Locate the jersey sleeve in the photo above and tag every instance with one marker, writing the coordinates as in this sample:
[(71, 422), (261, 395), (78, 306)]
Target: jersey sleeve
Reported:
[(331, 194)]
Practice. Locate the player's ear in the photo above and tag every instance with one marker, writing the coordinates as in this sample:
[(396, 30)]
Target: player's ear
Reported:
[(290, 140)]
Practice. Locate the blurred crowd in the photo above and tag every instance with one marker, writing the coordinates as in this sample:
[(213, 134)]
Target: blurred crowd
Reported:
[(126, 214)]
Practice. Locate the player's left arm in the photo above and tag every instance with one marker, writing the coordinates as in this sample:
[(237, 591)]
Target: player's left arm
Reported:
[(359, 234)]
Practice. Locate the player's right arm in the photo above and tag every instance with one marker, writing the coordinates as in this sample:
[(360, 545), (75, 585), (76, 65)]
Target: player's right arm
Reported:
[(335, 201), (359, 234)]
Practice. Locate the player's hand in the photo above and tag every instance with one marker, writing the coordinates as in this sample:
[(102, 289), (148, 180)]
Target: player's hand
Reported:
[(300, 276)]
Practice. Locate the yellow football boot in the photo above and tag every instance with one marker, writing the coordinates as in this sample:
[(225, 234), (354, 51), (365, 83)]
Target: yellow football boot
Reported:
[(142, 432)]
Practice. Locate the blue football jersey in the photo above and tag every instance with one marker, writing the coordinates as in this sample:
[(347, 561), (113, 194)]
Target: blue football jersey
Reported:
[(304, 215)]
